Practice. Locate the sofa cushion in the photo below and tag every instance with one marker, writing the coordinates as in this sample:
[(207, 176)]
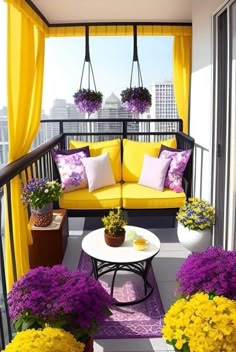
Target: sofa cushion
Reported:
[(98, 171), (135, 196), (179, 160), (71, 170), (104, 198), (154, 172), (133, 155), (97, 148)]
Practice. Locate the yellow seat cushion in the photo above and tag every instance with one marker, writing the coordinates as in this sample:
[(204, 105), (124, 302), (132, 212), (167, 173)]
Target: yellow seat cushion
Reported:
[(103, 198), (135, 196), (112, 147), (133, 155)]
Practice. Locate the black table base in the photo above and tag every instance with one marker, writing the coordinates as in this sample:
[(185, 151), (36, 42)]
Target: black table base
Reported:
[(139, 268)]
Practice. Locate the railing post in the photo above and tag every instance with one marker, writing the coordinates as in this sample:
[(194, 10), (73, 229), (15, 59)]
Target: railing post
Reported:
[(124, 128)]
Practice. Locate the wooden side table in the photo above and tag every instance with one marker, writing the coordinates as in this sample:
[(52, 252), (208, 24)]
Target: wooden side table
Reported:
[(49, 243)]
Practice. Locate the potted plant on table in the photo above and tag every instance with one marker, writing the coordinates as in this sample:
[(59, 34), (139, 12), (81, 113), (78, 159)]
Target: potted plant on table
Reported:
[(114, 224), (40, 193), (195, 221), (57, 297)]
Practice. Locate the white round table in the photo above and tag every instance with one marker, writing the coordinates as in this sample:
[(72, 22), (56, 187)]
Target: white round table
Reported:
[(107, 259)]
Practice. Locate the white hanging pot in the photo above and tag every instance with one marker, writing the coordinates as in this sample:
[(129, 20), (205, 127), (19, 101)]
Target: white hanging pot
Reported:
[(194, 240)]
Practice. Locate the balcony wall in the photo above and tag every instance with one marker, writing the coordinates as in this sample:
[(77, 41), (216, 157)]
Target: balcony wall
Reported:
[(201, 104)]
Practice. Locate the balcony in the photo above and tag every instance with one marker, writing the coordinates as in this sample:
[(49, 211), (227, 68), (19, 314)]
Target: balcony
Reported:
[(211, 122), (39, 163)]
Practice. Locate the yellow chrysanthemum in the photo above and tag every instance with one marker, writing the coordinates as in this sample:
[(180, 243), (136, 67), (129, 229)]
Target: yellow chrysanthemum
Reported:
[(46, 340), (206, 325)]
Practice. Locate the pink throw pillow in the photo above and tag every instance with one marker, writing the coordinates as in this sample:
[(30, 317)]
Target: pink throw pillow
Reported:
[(179, 160), (154, 172)]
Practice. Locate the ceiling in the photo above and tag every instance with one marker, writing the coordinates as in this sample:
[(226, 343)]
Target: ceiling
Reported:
[(90, 11)]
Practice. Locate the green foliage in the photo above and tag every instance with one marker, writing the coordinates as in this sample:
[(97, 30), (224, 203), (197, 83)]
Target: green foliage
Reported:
[(114, 222)]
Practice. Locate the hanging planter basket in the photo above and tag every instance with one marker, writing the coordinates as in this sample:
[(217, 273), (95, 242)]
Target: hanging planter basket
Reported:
[(136, 99), (87, 100)]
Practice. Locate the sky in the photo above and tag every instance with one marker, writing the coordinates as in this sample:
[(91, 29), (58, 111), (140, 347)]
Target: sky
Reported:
[(111, 59)]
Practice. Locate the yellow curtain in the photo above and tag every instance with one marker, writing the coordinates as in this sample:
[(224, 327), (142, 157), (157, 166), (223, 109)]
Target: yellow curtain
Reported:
[(25, 80), (181, 76)]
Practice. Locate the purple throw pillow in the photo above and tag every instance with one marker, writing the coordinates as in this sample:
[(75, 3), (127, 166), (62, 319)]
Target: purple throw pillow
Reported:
[(71, 169), (179, 160), (55, 151)]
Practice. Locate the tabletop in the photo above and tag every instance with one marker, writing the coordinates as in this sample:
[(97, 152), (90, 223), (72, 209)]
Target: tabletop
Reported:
[(95, 246)]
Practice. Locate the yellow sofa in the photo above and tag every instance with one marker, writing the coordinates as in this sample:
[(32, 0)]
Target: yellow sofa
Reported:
[(126, 157)]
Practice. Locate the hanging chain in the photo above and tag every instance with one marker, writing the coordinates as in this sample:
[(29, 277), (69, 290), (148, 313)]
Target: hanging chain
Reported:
[(135, 59), (88, 61)]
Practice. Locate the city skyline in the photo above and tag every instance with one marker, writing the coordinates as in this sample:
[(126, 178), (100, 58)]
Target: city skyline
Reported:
[(111, 58)]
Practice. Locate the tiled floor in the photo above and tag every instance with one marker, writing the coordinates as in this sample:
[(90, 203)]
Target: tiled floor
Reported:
[(165, 266)]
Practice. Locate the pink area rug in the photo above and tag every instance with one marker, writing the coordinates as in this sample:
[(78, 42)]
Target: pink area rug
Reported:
[(141, 320)]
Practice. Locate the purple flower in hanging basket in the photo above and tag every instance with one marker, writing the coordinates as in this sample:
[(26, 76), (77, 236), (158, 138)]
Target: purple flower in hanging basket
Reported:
[(136, 100), (87, 100)]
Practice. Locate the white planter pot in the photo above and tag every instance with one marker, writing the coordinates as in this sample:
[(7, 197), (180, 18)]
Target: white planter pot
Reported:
[(193, 240)]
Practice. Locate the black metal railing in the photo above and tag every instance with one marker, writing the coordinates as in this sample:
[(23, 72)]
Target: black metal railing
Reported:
[(38, 163)]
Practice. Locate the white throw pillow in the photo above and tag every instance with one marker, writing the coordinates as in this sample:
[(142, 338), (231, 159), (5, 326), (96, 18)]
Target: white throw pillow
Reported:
[(154, 172), (99, 172)]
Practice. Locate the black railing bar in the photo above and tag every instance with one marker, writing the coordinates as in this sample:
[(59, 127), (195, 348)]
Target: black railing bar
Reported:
[(9, 171), (12, 246), (2, 332), (112, 120), (36, 171), (120, 134), (26, 174), (41, 166), (3, 281)]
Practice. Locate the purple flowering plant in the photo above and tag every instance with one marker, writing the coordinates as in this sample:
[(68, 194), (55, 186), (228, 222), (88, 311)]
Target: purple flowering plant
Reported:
[(87, 100), (136, 100), (212, 271), (57, 297), (40, 191)]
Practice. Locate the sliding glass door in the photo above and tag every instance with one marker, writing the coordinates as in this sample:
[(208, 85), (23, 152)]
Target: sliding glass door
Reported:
[(224, 169)]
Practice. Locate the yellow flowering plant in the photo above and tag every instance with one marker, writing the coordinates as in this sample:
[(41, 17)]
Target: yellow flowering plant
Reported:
[(201, 323), (196, 214), (46, 340)]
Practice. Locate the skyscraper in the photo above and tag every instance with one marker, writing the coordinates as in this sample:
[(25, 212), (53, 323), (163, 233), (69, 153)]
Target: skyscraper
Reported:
[(163, 101)]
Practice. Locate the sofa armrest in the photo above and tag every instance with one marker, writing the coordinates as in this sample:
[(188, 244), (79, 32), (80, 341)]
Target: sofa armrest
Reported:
[(185, 142), (185, 185)]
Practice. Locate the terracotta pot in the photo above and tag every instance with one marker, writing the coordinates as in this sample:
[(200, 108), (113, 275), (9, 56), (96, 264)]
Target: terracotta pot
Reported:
[(114, 241), (89, 345), (194, 240), (42, 217)]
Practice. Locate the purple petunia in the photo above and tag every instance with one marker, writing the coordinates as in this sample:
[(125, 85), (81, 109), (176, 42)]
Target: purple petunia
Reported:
[(136, 100), (212, 271), (54, 295), (87, 100)]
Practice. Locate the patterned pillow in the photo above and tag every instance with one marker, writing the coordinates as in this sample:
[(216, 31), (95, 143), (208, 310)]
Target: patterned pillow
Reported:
[(179, 160), (72, 171)]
